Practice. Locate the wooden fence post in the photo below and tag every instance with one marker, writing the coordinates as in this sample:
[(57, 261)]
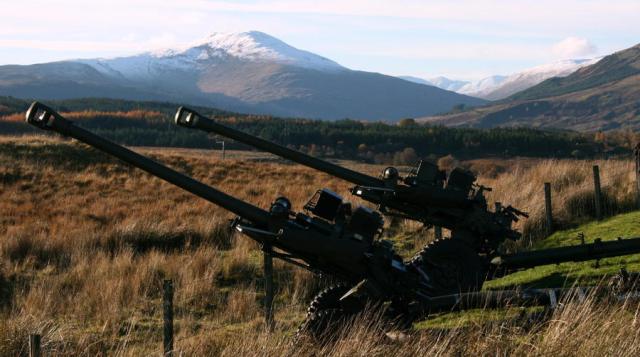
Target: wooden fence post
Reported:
[(547, 206), (597, 191), (223, 151), (268, 287), (167, 305), (34, 345), (437, 232), (637, 154)]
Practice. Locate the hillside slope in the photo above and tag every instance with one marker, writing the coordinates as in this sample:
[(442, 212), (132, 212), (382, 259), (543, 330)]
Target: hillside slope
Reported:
[(497, 87), (603, 96), (500, 87)]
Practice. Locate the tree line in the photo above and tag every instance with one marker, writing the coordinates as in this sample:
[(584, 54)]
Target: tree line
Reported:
[(150, 124)]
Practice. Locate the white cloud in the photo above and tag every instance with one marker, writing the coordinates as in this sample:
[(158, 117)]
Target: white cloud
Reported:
[(573, 47)]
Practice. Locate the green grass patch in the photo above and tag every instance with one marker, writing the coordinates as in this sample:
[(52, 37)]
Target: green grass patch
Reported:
[(584, 273), (624, 225), (458, 319)]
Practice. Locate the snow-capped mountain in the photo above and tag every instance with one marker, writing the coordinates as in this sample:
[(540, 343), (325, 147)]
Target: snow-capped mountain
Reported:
[(251, 46), (440, 82), (499, 87), (245, 72), (448, 84), (516, 82), (485, 84), (602, 96), (258, 46)]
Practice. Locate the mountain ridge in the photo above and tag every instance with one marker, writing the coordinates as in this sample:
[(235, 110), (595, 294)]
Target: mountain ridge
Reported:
[(601, 96), (498, 87), (248, 72)]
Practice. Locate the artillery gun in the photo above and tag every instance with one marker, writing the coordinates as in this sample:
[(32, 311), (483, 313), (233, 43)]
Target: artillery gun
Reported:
[(426, 195), (345, 243)]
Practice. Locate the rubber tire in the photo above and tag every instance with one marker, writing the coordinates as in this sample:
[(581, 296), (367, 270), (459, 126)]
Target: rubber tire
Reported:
[(325, 314), (452, 265), (327, 298), (325, 325)]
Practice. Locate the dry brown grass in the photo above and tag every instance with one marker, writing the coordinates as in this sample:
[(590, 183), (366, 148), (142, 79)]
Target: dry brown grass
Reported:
[(587, 329), (520, 183), (85, 243)]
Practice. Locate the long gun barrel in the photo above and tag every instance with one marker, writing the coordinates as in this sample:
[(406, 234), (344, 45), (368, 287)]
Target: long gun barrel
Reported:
[(44, 117), (189, 118), (578, 253), (341, 250), (421, 196)]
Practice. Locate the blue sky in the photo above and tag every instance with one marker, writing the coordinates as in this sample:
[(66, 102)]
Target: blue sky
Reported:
[(462, 39)]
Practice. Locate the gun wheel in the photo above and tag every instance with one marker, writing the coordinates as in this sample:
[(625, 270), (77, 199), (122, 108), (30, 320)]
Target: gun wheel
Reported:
[(328, 298), (451, 266), (326, 325), (325, 315)]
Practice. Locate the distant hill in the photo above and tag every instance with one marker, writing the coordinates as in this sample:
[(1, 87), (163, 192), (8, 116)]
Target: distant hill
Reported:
[(440, 82), (498, 87), (248, 72), (602, 96)]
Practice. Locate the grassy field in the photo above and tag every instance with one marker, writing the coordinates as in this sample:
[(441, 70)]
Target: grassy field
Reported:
[(85, 243)]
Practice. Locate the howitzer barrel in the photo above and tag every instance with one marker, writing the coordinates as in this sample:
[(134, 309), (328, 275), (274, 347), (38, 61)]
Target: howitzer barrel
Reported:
[(44, 117), (189, 118), (578, 253)]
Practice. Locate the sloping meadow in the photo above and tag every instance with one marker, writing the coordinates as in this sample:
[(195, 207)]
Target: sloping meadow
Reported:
[(86, 241)]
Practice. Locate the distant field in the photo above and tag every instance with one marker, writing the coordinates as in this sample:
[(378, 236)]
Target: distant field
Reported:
[(86, 241)]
